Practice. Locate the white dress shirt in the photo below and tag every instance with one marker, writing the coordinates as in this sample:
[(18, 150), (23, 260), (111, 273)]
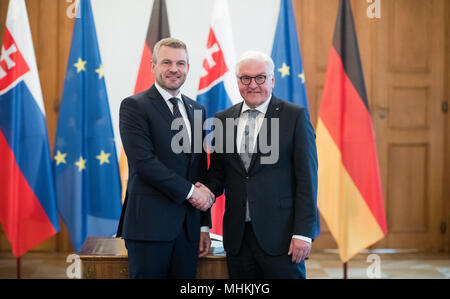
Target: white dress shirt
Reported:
[(167, 96), (243, 117)]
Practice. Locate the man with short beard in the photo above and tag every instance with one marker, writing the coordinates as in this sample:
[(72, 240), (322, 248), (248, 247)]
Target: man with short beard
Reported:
[(165, 219)]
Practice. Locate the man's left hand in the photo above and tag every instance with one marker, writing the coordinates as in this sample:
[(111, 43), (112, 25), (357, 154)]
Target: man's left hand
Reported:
[(204, 244), (299, 250)]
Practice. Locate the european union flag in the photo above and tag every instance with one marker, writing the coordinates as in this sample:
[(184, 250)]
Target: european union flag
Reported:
[(289, 75), (85, 162)]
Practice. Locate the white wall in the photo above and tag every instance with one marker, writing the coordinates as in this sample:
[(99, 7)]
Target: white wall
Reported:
[(122, 28)]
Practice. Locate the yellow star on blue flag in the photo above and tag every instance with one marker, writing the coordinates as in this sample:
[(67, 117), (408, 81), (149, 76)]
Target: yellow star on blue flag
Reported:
[(103, 157), (284, 70), (100, 71), (60, 158), (80, 65)]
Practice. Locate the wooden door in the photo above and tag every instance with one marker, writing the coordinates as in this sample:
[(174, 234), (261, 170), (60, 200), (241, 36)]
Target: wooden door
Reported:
[(409, 76)]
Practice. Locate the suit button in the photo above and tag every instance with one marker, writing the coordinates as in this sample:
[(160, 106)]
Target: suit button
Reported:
[(247, 177)]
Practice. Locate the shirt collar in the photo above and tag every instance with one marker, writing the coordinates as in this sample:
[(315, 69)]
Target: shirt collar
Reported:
[(166, 95), (261, 108)]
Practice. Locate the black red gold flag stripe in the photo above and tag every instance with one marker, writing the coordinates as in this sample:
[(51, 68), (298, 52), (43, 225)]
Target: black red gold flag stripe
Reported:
[(158, 28), (350, 197)]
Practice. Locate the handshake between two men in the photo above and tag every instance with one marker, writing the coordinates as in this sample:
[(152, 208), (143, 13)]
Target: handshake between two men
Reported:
[(202, 198)]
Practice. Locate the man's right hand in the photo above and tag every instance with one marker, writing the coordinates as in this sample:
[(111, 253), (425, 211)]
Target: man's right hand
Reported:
[(202, 198)]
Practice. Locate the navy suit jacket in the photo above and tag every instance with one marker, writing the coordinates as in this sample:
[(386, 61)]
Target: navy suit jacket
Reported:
[(282, 196), (159, 180)]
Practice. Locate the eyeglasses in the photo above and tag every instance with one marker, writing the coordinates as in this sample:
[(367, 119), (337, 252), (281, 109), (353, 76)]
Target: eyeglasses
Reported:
[(260, 79)]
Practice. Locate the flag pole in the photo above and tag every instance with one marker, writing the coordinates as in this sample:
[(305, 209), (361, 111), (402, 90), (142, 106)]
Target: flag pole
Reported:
[(18, 266), (345, 270)]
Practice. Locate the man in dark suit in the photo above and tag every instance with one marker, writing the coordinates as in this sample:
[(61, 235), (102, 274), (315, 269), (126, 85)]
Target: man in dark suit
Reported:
[(165, 219), (270, 187)]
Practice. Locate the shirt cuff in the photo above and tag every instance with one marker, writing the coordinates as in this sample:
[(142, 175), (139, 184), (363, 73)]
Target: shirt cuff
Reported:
[(204, 229), (190, 192), (309, 240)]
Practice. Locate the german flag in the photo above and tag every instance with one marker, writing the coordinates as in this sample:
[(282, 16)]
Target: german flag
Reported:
[(158, 29), (350, 198)]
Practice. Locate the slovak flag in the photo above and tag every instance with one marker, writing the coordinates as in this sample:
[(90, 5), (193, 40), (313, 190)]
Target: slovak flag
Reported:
[(27, 196), (218, 89)]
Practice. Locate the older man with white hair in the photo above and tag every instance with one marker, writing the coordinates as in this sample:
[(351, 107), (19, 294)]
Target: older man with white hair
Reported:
[(270, 208)]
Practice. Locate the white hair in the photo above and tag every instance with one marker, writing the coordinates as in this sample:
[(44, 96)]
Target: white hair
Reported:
[(258, 56)]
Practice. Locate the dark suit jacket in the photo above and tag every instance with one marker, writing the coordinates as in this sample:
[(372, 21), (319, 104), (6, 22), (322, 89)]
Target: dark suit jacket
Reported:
[(159, 180), (282, 196)]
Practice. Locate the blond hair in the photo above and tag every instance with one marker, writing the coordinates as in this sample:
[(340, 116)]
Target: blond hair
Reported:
[(171, 43)]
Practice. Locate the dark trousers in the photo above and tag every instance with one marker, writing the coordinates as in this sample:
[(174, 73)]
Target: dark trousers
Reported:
[(253, 263), (175, 259)]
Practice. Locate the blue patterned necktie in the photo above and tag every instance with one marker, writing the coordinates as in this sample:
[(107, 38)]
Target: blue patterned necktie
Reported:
[(247, 145)]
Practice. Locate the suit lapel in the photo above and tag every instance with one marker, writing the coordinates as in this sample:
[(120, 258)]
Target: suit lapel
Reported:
[(160, 104), (235, 113)]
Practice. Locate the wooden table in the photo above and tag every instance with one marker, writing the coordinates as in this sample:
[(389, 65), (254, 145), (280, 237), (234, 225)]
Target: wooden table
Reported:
[(107, 258)]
